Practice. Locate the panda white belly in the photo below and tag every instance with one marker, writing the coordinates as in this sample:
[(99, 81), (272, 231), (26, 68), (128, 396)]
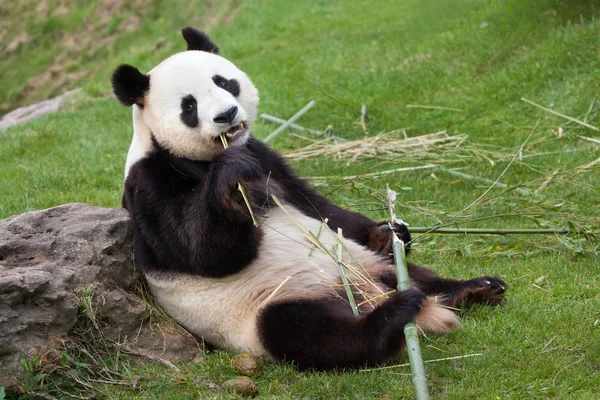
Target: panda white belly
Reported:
[(224, 310)]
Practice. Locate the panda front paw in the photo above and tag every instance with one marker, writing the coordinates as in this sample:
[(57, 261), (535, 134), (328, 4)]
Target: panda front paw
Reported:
[(380, 238), (233, 168)]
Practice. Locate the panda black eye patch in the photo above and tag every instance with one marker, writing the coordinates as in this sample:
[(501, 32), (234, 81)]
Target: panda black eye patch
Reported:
[(189, 112), (231, 85)]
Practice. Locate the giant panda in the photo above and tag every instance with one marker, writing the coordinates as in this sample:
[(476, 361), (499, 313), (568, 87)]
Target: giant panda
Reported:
[(216, 273)]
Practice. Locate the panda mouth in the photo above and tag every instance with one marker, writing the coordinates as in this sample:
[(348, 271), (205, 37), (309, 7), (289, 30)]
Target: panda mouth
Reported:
[(235, 131)]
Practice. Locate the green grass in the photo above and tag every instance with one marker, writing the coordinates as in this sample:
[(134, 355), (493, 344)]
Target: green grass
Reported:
[(478, 56)]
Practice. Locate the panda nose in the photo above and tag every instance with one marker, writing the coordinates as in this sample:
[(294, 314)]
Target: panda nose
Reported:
[(226, 116)]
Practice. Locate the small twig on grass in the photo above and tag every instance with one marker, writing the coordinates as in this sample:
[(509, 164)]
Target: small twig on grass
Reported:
[(590, 164), (241, 188), (546, 182), (459, 174), (411, 334), (589, 110), (371, 174), (561, 115), (39, 395), (290, 121), (151, 357), (589, 139), (106, 382), (426, 361), (434, 107), (363, 118)]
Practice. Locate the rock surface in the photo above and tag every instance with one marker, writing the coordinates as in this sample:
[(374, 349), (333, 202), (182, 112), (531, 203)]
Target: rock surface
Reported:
[(28, 113), (49, 259), (241, 385), (247, 364)]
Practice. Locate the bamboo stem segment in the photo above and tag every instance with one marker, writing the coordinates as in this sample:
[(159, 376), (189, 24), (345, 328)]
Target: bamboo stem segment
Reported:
[(411, 334), (290, 121), (343, 274), (490, 231)]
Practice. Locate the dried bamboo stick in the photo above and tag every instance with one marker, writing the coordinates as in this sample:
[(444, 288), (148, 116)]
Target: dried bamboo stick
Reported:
[(290, 121), (296, 127)]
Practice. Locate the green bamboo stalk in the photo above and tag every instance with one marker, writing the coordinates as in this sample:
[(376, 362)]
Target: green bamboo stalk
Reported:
[(411, 334), (343, 274), (241, 188), (489, 231), (321, 227)]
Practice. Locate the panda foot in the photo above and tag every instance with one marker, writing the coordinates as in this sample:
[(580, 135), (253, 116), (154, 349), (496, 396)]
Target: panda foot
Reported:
[(380, 239), (484, 290)]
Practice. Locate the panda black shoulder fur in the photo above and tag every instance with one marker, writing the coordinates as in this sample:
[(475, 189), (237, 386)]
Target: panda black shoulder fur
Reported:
[(211, 269)]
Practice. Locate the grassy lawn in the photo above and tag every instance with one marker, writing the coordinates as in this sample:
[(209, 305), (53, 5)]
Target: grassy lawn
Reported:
[(475, 59)]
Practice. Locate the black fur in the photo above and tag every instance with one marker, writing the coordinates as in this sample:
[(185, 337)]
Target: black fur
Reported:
[(454, 293), (184, 208), (324, 334), (189, 111), (197, 40), (130, 85), (187, 215), (231, 85), (299, 193)]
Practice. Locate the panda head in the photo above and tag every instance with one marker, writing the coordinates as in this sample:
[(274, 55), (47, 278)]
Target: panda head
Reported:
[(187, 101)]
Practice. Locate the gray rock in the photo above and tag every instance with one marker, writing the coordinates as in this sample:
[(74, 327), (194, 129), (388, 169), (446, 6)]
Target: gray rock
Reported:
[(241, 385), (49, 260), (33, 111)]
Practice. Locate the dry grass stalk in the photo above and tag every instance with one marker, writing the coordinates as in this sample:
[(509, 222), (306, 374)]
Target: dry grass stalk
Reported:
[(582, 123), (372, 174), (372, 299), (434, 107), (385, 145), (459, 174), (427, 361), (336, 257), (241, 188), (269, 297)]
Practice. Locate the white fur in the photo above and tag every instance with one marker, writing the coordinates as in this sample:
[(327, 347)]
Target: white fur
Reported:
[(224, 310)]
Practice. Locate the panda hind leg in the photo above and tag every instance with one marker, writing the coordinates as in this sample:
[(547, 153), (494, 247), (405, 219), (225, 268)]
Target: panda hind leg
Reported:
[(488, 290), (324, 334)]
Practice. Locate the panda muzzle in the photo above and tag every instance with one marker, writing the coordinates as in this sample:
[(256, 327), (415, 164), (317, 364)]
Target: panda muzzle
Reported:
[(236, 131)]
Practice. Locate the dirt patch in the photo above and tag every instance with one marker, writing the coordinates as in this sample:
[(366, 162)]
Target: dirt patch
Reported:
[(17, 42)]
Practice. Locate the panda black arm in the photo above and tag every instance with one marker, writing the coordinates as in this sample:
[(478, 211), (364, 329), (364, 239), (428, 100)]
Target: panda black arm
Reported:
[(299, 193), (187, 217)]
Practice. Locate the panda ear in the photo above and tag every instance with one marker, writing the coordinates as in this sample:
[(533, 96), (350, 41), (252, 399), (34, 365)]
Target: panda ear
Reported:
[(197, 40), (130, 85)]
